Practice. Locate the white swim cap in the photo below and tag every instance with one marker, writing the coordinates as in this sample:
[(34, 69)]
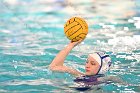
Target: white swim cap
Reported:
[(104, 61)]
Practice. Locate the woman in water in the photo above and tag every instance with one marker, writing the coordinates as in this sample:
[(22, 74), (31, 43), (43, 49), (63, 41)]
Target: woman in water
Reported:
[(96, 66)]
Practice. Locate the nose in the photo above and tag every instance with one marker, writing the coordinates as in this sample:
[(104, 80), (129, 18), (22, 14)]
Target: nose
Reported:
[(87, 65)]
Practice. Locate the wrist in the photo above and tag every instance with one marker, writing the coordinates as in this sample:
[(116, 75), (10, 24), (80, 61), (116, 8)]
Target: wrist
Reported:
[(71, 45)]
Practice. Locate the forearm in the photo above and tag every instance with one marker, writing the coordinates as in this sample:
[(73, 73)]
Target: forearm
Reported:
[(59, 59)]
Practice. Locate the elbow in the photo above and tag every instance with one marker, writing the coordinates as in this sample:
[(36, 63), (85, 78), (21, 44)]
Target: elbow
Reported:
[(52, 68)]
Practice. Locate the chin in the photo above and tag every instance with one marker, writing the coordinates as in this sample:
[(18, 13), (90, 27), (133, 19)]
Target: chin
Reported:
[(88, 74)]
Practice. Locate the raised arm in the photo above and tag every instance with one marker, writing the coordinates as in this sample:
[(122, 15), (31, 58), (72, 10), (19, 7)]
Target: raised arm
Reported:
[(58, 62)]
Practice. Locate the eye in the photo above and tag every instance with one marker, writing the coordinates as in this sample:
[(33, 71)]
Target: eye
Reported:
[(92, 63)]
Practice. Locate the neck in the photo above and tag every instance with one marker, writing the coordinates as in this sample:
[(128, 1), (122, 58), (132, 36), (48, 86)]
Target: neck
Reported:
[(100, 75)]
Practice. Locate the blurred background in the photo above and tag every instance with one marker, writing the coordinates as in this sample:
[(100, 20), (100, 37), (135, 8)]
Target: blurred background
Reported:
[(31, 34)]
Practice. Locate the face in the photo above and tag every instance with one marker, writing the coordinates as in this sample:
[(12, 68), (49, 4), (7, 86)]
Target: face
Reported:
[(92, 66)]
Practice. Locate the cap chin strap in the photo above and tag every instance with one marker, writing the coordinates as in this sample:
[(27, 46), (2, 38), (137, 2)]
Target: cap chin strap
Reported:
[(101, 62)]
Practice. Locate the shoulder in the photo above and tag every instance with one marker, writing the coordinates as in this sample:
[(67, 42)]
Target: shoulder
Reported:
[(102, 77)]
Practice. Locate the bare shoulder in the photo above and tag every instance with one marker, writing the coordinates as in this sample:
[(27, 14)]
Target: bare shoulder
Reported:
[(114, 79), (111, 78)]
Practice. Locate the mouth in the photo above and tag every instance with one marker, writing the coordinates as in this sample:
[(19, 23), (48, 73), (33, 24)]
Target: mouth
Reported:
[(87, 70)]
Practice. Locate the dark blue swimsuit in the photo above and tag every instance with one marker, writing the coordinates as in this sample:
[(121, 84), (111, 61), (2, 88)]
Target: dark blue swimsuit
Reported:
[(88, 81)]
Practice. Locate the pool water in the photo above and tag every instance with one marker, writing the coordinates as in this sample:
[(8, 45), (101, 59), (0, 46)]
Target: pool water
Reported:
[(31, 34)]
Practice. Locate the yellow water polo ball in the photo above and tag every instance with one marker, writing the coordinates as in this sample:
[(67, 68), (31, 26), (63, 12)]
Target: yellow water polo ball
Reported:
[(76, 28)]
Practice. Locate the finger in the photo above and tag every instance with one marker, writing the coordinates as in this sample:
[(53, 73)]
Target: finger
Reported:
[(80, 40)]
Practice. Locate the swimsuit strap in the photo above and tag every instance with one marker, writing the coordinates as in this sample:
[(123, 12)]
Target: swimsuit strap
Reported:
[(92, 78)]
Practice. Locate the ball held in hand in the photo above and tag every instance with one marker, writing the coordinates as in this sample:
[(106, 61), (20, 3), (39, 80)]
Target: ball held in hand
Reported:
[(75, 29)]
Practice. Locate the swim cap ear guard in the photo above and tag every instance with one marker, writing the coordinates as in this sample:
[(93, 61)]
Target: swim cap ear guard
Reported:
[(104, 61)]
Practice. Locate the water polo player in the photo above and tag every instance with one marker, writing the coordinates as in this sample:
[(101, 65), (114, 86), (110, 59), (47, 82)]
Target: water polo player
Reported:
[(96, 66)]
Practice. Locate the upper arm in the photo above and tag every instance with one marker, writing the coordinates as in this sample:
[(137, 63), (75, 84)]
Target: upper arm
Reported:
[(65, 69)]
